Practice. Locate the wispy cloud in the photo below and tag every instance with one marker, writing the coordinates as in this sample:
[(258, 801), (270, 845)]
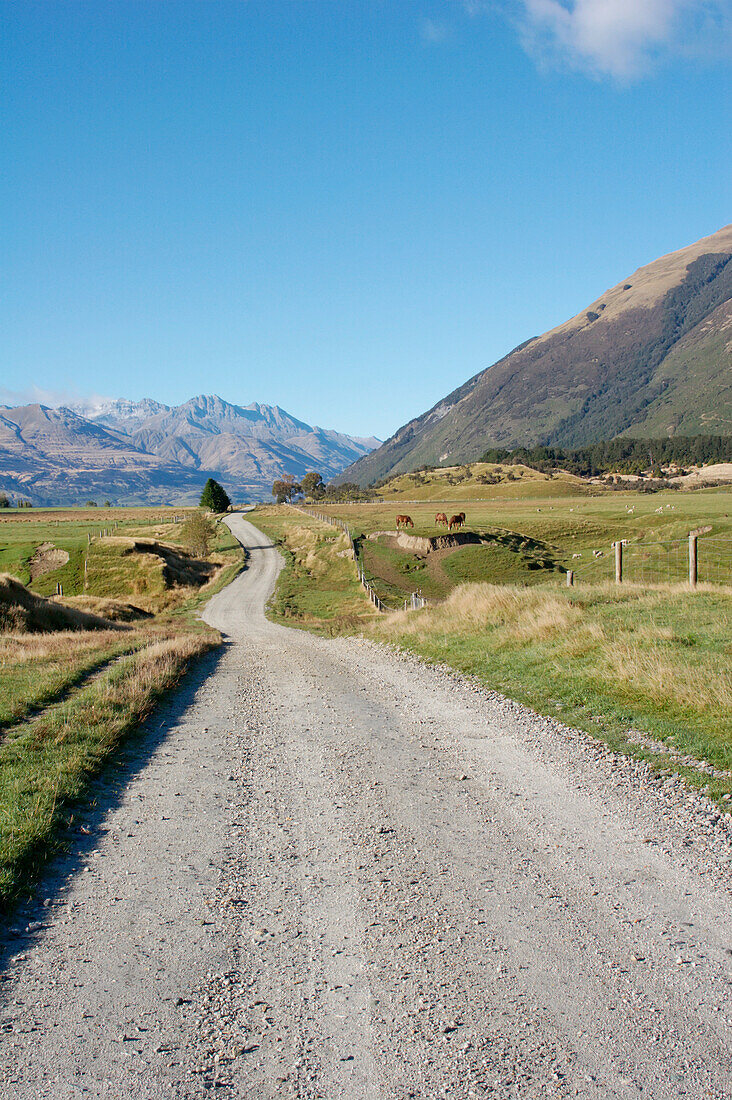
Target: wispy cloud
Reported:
[(433, 32), (623, 38), (36, 394)]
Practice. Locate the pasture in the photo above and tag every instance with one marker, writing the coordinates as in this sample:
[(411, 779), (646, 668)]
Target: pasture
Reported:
[(534, 539)]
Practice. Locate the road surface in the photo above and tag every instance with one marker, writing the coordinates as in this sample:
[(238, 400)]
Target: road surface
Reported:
[(328, 870)]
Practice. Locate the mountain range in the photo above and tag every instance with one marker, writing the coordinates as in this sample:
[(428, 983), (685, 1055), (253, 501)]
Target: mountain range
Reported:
[(650, 357), (139, 452)]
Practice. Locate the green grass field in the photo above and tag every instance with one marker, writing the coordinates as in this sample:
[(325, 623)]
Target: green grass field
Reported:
[(533, 539)]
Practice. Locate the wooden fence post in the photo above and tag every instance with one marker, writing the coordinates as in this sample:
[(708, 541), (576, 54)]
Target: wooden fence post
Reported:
[(618, 562), (570, 578), (692, 560), (693, 557)]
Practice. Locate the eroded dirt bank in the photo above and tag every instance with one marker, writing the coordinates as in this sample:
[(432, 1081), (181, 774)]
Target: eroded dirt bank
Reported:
[(333, 872)]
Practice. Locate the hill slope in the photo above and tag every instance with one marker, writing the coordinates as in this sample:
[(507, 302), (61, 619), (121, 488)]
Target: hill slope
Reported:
[(649, 357)]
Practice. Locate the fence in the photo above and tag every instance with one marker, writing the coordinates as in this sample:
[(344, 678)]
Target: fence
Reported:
[(415, 601), (697, 558)]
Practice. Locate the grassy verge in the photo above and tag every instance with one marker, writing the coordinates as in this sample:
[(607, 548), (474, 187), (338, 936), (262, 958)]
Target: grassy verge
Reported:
[(93, 687), (45, 765), (318, 588), (36, 668), (604, 659)]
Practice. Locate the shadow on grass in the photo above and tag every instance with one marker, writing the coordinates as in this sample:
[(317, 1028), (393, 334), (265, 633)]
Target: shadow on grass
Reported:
[(50, 869)]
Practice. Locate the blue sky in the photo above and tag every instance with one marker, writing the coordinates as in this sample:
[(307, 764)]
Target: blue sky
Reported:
[(343, 208)]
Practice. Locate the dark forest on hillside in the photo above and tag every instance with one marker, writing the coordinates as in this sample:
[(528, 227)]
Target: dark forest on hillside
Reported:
[(625, 456)]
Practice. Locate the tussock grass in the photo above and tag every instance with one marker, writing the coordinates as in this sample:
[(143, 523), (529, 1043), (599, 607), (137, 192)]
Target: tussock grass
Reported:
[(608, 659), (45, 765)]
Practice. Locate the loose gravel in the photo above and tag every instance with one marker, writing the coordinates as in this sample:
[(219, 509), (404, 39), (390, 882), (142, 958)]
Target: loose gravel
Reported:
[(332, 871)]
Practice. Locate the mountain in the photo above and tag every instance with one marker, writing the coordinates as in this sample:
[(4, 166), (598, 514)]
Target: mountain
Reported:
[(143, 451), (249, 445), (54, 456), (649, 357), (118, 412)]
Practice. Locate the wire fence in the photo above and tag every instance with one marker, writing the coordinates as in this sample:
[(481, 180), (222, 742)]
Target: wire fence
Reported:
[(414, 601), (693, 559)]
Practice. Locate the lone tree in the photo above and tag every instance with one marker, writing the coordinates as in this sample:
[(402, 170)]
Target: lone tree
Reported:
[(285, 488), (4, 500), (312, 485), (196, 534), (214, 497)]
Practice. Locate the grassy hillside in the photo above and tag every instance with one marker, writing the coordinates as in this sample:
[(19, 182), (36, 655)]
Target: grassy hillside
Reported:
[(649, 356)]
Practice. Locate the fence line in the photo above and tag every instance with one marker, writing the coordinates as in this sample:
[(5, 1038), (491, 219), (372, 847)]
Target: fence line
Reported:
[(415, 601), (697, 558), (694, 559)]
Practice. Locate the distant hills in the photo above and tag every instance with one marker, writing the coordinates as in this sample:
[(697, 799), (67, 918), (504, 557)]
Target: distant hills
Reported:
[(650, 357), (129, 452)]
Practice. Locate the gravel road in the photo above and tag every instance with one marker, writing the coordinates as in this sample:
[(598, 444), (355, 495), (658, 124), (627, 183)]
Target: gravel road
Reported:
[(328, 870)]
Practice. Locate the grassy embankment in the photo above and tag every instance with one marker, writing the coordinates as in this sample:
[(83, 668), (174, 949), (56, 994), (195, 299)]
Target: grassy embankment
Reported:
[(69, 697), (317, 589), (607, 659)]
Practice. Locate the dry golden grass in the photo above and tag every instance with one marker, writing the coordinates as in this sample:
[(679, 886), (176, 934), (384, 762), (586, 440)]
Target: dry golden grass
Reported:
[(654, 657), (21, 648), (524, 612), (24, 612)]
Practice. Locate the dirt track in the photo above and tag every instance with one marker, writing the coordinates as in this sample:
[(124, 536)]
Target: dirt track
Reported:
[(330, 871)]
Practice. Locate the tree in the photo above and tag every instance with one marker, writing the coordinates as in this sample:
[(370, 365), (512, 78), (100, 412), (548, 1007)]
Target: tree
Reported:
[(312, 485), (285, 488), (4, 500), (196, 534), (214, 497)]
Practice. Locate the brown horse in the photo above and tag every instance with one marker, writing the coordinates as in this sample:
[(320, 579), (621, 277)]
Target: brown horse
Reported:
[(404, 521), (456, 521), (441, 519), (461, 515)]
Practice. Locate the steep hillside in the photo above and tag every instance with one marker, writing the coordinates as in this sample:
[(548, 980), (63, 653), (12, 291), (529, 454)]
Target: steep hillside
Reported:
[(650, 357)]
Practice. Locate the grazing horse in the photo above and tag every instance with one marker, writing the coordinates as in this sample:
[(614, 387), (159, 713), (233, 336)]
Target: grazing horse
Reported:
[(456, 521), (461, 516), (404, 521), (441, 519)]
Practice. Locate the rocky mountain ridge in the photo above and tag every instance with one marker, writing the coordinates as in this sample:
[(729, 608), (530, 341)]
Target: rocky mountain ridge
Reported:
[(149, 452)]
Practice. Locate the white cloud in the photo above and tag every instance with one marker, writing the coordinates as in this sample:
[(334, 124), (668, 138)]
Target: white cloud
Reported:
[(622, 38), (36, 394)]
